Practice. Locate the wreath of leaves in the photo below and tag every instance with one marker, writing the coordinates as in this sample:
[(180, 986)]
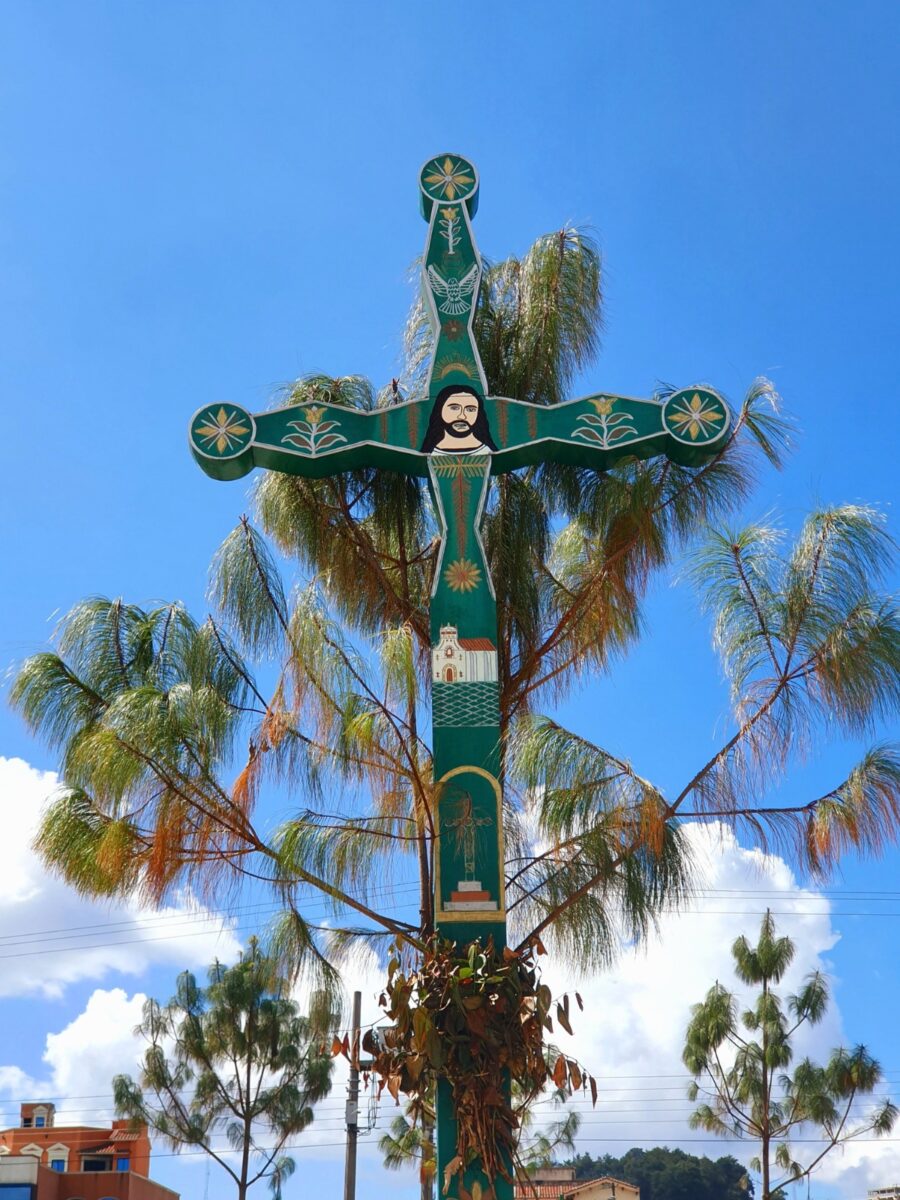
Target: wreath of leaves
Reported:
[(476, 1016)]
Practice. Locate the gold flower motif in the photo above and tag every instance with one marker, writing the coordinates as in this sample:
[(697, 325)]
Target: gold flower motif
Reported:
[(314, 413), (448, 178), (222, 429), (602, 404), (462, 575), (695, 418), (449, 214)]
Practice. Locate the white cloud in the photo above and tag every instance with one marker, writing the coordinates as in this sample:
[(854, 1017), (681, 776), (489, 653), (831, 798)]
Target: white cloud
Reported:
[(100, 1043), (856, 1168), (631, 1032), (81, 1060), (50, 937), (83, 1057)]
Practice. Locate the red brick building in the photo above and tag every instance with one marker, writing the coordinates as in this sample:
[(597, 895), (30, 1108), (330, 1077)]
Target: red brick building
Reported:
[(40, 1160)]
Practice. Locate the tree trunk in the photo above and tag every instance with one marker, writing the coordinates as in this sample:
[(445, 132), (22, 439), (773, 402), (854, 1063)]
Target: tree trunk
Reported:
[(419, 799), (243, 1186), (765, 1167), (764, 1148), (427, 1192)]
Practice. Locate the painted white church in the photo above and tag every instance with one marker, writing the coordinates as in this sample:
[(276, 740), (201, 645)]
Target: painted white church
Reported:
[(463, 660)]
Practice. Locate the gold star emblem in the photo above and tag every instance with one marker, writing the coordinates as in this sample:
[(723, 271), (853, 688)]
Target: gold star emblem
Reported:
[(696, 417), (462, 575), (448, 178), (223, 429)]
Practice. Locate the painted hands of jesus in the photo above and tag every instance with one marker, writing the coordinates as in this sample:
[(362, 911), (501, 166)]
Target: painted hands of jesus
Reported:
[(458, 424)]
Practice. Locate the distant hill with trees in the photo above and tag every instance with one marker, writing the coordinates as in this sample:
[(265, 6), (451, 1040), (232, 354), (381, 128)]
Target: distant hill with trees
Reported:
[(664, 1174)]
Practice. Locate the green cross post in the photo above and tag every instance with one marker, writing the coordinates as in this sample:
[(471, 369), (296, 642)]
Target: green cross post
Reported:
[(457, 438)]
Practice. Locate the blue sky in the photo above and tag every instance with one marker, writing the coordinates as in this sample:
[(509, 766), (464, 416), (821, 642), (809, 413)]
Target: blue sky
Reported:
[(203, 200)]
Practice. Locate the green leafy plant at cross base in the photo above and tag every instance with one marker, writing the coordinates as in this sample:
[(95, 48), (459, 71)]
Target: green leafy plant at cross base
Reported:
[(409, 1141), (754, 1091), (477, 1017), (236, 1059), (151, 709)]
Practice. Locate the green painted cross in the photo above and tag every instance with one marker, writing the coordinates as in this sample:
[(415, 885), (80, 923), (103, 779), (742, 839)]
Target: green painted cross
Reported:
[(457, 438)]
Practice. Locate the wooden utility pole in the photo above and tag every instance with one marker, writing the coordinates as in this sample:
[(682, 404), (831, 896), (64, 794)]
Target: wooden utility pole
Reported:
[(353, 1102)]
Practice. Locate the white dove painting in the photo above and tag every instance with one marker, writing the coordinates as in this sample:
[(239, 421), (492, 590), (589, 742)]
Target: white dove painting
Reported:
[(455, 291)]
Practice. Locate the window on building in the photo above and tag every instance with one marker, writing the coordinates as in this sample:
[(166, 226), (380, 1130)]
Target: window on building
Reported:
[(57, 1164), (26, 1122), (95, 1164), (122, 1164), (40, 1122)]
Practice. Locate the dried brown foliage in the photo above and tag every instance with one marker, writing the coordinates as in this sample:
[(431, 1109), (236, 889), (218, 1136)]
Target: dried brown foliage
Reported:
[(476, 1016)]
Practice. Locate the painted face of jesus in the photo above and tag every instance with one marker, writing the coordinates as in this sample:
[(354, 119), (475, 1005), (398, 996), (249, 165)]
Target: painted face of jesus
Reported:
[(458, 424), (459, 413)]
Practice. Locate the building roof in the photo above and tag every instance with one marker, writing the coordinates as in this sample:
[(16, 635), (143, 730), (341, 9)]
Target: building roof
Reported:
[(477, 644), (543, 1191), (112, 1148), (565, 1188)]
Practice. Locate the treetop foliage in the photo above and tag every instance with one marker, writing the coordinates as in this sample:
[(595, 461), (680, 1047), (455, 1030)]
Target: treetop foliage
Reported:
[(236, 1059), (167, 737), (746, 1084), (664, 1174)]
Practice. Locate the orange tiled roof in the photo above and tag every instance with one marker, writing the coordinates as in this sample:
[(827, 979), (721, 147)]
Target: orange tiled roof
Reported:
[(115, 1146), (542, 1191), (477, 644), (562, 1188)]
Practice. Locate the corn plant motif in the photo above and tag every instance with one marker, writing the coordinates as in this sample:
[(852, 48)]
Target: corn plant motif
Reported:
[(311, 433), (449, 228), (605, 425)]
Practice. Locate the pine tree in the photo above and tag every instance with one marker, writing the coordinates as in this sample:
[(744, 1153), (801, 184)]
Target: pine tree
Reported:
[(746, 1064), (148, 707), (236, 1059)]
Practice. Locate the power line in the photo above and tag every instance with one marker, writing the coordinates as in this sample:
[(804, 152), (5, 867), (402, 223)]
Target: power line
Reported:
[(713, 1139), (68, 949), (164, 920), (599, 1114), (400, 889), (601, 1079)]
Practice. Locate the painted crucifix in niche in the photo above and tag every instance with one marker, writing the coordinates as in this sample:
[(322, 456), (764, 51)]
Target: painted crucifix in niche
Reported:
[(465, 822), (458, 423)]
